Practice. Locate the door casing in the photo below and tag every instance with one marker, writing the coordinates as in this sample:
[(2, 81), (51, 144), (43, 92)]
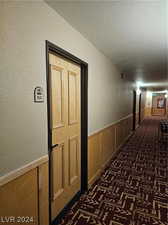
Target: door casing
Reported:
[(140, 99), (52, 48), (134, 110)]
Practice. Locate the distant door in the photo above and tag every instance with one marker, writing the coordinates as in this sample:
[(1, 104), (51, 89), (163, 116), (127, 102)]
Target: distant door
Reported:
[(134, 110), (65, 125), (158, 105), (140, 98)]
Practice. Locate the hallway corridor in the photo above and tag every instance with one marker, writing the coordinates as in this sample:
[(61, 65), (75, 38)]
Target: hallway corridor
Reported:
[(133, 189)]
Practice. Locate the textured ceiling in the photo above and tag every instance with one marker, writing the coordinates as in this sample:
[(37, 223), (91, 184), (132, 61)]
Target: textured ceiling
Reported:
[(133, 34)]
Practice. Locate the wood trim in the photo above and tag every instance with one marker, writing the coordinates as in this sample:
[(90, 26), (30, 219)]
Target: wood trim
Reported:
[(22, 170), (148, 111), (19, 198), (124, 141), (109, 125), (43, 192)]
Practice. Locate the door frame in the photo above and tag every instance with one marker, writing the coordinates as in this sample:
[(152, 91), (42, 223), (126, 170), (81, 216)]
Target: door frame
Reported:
[(140, 100), (54, 49), (134, 110)]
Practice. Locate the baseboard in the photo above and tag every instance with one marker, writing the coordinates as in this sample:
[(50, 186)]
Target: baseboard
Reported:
[(98, 173), (94, 178), (131, 133), (107, 161)]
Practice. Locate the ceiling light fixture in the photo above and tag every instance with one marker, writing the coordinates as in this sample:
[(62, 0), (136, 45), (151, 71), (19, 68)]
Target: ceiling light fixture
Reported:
[(138, 91), (138, 84)]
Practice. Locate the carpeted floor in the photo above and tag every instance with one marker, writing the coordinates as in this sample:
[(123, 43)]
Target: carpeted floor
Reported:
[(133, 190)]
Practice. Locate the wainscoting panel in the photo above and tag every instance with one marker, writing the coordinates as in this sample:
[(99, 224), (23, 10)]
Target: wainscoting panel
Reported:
[(104, 144), (107, 140), (158, 112), (148, 111), (24, 199), (19, 199), (119, 134), (142, 114), (94, 156), (43, 194)]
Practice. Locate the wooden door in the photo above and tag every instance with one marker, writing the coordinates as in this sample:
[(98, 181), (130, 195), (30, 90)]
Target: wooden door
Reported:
[(65, 132)]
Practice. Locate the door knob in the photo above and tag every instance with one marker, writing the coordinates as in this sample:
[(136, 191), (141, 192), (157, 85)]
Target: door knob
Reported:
[(54, 146)]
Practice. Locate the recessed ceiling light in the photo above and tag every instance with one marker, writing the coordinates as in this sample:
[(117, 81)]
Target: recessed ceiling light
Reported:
[(139, 84)]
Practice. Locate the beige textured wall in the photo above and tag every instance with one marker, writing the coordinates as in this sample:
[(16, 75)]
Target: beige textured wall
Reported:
[(24, 27), (148, 99), (144, 93), (137, 103)]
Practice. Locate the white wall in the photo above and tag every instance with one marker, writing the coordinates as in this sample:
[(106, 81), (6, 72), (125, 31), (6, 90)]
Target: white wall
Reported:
[(24, 27), (148, 99)]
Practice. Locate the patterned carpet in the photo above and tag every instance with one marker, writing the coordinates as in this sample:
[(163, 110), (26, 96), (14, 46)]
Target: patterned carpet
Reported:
[(133, 189)]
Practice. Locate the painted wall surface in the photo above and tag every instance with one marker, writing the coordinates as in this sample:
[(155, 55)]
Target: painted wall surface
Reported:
[(137, 103), (143, 100), (24, 28), (148, 99)]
